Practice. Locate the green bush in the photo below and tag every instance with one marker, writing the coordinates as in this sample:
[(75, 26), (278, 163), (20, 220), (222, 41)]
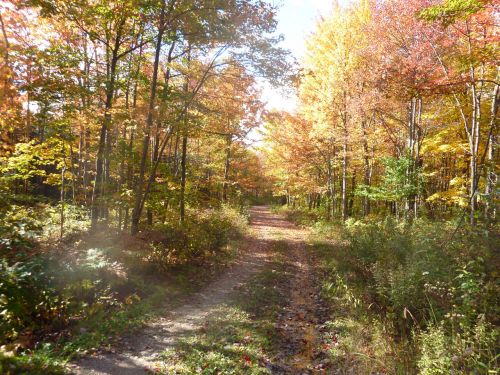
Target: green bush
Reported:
[(202, 235), (467, 352), (28, 300), (435, 358), (18, 227), (76, 220), (42, 294), (433, 285), (420, 268), (28, 220)]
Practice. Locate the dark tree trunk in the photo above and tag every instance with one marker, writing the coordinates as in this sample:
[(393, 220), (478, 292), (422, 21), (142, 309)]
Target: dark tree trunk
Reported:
[(98, 192), (182, 204), (367, 169), (136, 213), (344, 179), (227, 166)]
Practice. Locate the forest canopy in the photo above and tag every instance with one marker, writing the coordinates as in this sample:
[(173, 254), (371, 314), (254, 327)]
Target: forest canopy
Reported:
[(121, 106), (398, 112)]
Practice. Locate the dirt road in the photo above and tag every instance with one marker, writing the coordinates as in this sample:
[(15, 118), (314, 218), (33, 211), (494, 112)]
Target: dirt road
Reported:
[(296, 323)]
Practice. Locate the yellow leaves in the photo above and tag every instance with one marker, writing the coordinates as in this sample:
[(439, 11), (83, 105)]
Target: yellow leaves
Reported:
[(458, 181), (456, 195), (450, 197), (445, 141), (132, 299), (36, 159), (53, 179), (333, 70), (446, 148), (9, 350)]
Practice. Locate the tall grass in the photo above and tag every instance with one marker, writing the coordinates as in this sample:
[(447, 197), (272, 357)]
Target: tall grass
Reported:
[(425, 292)]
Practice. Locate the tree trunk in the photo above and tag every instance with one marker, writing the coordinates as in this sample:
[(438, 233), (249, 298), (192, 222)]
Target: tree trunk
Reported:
[(61, 230), (97, 194), (136, 213), (417, 161), (331, 190), (6, 82), (491, 178), (344, 178), (225, 186), (474, 146), (86, 167), (367, 168), (410, 200), (182, 204), (353, 189)]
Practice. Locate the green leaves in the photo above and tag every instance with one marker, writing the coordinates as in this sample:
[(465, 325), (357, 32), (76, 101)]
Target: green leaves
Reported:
[(451, 10), (26, 297), (401, 180)]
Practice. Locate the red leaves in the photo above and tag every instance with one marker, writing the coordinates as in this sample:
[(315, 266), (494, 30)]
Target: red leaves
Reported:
[(247, 360)]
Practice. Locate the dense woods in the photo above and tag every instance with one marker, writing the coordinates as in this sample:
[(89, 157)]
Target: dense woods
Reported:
[(131, 107), (399, 105), (120, 117), (130, 153)]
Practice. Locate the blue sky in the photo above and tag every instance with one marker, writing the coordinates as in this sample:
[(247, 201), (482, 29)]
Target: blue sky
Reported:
[(297, 19)]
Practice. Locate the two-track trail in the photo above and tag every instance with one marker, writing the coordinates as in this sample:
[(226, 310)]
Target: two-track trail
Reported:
[(296, 323)]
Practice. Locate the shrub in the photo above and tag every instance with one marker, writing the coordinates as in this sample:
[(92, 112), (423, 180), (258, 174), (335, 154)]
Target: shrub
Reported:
[(202, 235), (76, 220), (433, 286), (27, 298), (18, 227), (42, 293), (469, 351), (435, 358), (300, 215), (418, 268), (28, 220)]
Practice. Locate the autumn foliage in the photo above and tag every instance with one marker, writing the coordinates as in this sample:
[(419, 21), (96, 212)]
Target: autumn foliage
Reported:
[(415, 81)]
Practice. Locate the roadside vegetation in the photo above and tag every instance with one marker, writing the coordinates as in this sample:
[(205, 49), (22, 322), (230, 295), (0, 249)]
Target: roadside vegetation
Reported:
[(134, 137), (77, 298), (418, 297), (124, 166)]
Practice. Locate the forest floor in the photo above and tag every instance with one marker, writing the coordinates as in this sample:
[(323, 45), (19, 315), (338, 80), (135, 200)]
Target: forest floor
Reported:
[(263, 315)]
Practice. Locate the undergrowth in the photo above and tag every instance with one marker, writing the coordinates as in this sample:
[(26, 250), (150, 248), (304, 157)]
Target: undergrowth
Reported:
[(68, 302), (411, 298)]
